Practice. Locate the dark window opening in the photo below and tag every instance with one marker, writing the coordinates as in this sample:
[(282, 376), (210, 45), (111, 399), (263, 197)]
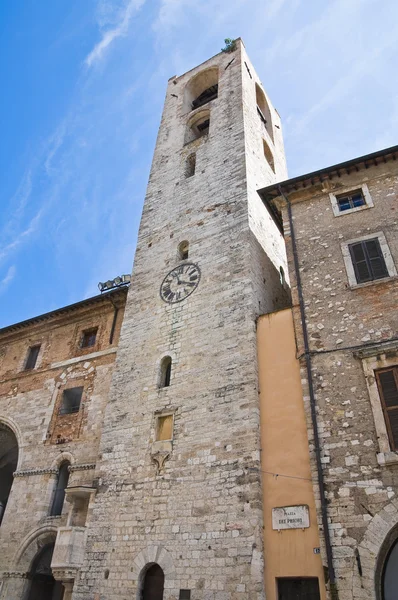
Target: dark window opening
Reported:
[(59, 492), (204, 127), (390, 574), (282, 276), (183, 250), (368, 260), (298, 588), (185, 595), (190, 165), (31, 360), (42, 584), (352, 200), (71, 400), (88, 338), (210, 94), (165, 372), (8, 464), (153, 584), (387, 382)]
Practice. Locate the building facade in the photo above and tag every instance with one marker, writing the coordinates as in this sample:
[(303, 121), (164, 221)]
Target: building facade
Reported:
[(226, 430), (341, 231)]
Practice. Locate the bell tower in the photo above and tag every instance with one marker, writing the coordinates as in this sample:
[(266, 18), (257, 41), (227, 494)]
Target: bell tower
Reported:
[(178, 511)]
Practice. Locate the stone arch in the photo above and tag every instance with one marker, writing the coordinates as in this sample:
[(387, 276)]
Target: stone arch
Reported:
[(11, 424), (197, 126), (381, 532), (151, 555), (203, 84), (264, 110), (9, 451), (31, 545), (61, 458)]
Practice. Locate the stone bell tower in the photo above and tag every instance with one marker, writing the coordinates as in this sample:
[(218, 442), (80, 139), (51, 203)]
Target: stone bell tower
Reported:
[(178, 511)]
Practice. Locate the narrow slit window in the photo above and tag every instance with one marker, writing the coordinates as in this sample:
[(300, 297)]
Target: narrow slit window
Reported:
[(387, 382), (89, 337), (164, 429), (183, 250), (190, 165), (165, 372), (71, 400), (349, 201), (31, 359), (59, 492), (368, 260)]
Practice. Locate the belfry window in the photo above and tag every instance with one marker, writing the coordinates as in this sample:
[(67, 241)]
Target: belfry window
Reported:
[(59, 492), (210, 94), (268, 155), (201, 89), (263, 111), (165, 372), (198, 126)]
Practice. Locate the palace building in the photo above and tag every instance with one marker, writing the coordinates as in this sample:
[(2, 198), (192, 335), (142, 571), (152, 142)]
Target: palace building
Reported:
[(223, 427)]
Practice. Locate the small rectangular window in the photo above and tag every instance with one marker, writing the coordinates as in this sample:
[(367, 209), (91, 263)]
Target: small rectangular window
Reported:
[(368, 260), (387, 382), (352, 200), (31, 360), (71, 400), (185, 595), (88, 338), (164, 429), (299, 588)]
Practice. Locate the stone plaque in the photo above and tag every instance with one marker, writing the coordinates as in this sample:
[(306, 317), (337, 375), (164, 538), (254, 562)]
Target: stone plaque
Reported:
[(290, 517)]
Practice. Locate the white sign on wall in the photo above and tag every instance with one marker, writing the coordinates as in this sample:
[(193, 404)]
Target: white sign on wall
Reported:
[(290, 517)]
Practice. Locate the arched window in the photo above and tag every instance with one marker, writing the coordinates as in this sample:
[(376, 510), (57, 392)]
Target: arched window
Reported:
[(43, 585), (183, 250), (268, 155), (59, 492), (201, 89), (390, 574), (153, 583), (165, 372), (190, 165), (8, 464), (198, 126), (263, 111)]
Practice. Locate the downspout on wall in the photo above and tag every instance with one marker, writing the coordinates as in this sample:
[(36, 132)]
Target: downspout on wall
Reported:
[(307, 357)]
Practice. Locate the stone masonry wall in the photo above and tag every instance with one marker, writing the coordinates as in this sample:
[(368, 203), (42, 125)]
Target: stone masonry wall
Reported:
[(29, 404), (347, 327)]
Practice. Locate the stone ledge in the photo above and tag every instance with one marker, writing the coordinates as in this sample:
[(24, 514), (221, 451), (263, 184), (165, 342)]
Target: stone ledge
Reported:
[(385, 459)]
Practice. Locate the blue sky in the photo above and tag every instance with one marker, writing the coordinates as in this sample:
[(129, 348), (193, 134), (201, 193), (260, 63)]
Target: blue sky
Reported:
[(83, 85)]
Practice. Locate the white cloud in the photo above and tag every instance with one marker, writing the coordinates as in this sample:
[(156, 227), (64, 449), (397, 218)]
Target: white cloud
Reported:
[(7, 279), (110, 35), (6, 250)]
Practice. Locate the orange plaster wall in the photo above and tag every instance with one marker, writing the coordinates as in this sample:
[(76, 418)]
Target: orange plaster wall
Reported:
[(289, 553)]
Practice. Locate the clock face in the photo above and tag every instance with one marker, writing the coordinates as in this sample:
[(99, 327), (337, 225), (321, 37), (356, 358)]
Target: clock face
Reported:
[(180, 283)]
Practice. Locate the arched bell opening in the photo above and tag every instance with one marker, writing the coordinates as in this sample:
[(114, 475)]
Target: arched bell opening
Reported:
[(152, 583), (8, 464), (42, 585)]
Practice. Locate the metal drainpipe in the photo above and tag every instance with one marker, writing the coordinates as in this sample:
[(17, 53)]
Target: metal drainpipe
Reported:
[(321, 484), (115, 313)]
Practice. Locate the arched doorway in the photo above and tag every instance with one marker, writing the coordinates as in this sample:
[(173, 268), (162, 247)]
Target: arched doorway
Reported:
[(153, 583), (43, 586), (390, 574), (8, 464)]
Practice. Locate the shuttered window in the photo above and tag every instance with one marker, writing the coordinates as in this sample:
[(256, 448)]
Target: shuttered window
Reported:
[(387, 381), (368, 260)]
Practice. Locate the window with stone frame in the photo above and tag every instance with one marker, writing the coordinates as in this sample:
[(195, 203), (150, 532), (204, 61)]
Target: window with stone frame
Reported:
[(71, 400), (368, 259), (89, 337), (31, 358), (164, 428), (387, 383), (351, 200)]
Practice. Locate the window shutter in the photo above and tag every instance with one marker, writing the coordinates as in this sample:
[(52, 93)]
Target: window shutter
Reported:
[(376, 259), (362, 271), (388, 387)]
